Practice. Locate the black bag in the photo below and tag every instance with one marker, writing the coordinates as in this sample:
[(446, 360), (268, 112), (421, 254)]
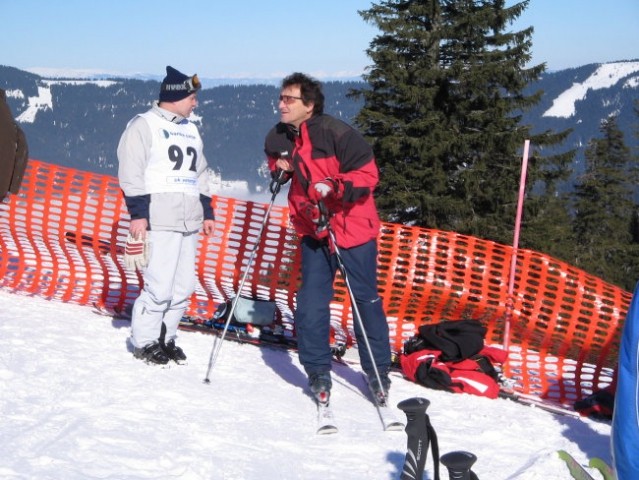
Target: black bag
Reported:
[(456, 339), (255, 312)]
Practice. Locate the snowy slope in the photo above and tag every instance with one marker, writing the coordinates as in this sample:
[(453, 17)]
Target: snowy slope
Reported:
[(76, 405), (607, 75)]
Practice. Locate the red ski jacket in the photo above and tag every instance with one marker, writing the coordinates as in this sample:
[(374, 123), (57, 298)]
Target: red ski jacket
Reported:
[(327, 148), (465, 376)]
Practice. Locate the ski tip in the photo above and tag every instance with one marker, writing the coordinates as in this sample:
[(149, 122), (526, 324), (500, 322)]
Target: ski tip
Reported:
[(577, 471), (598, 461), (394, 427), (327, 430), (564, 455), (605, 469), (325, 421)]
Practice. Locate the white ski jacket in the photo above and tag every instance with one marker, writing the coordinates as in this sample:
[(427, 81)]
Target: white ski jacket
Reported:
[(163, 172)]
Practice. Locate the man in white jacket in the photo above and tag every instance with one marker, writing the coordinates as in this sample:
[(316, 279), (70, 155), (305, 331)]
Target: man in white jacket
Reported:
[(163, 175)]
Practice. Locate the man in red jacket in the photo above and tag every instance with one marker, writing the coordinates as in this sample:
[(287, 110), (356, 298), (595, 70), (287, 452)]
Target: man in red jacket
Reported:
[(329, 162)]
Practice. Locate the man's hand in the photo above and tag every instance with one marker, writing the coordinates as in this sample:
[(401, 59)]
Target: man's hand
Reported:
[(138, 228), (320, 190), (208, 227), (283, 164)]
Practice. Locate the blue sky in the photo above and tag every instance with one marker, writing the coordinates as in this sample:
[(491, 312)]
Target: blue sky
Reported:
[(270, 38)]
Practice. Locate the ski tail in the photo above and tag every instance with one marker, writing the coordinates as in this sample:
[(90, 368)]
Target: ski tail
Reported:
[(576, 470)]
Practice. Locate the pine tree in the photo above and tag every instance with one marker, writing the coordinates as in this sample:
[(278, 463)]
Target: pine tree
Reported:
[(605, 211), (443, 109)]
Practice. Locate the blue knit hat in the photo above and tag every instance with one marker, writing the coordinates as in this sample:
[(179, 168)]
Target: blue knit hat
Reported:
[(177, 86)]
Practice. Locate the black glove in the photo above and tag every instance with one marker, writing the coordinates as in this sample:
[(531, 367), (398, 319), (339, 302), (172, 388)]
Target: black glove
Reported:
[(279, 178)]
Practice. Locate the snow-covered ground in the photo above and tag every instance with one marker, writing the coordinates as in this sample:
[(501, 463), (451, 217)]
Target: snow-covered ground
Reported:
[(75, 405)]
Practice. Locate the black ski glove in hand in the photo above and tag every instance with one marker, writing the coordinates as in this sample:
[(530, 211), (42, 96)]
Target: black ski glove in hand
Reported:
[(279, 177), (136, 253)]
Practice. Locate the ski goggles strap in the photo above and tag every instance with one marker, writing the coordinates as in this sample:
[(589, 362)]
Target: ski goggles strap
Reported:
[(190, 85)]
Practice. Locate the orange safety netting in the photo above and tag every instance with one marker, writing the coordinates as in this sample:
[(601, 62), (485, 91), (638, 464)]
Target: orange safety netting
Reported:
[(62, 238)]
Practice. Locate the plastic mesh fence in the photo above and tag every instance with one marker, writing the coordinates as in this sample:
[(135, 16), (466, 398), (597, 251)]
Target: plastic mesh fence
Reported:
[(62, 238)]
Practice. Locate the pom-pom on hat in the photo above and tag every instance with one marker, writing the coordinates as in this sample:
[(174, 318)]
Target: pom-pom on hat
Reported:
[(177, 86)]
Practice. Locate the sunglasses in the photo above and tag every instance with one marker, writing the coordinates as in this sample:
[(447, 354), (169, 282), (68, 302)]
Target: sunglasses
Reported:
[(288, 99)]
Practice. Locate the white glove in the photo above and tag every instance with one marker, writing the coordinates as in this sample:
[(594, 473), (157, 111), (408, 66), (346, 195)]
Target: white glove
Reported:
[(136, 253), (323, 189)]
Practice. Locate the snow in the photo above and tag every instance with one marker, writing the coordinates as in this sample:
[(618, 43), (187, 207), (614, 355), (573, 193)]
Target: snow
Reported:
[(75, 404), (52, 72), (632, 82), (605, 76), (240, 190), (16, 93), (36, 104), (44, 99)]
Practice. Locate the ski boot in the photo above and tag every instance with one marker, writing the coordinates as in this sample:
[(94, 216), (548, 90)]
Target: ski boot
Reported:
[(379, 392), (152, 353), (174, 352), (321, 384)]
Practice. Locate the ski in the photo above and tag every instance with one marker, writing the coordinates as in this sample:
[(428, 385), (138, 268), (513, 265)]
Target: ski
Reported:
[(103, 246), (540, 403), (251, 335), (246, 334), (576, 470), (115, 314), (325, 419), (603, 467), (389, 420)]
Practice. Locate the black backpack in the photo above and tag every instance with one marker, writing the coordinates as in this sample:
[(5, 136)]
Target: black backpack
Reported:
[(455, 339)]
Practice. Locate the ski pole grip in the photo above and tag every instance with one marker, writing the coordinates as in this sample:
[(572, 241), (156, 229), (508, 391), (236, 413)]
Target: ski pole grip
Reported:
[(458, 464), (322, 208), (418, 440), (276, 182), (322, 222), (413, 407)]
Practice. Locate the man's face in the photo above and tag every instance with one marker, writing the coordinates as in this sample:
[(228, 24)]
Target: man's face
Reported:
[(183, 107), (292, 109)]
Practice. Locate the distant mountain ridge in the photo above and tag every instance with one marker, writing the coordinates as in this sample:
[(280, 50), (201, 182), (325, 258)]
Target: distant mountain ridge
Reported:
[(78, 122), (207, 82), (581, 98)]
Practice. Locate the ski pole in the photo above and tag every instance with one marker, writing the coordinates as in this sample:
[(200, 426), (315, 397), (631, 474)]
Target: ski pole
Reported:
[(418, 438), (217, 345), (324, 221), (458, 464)]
